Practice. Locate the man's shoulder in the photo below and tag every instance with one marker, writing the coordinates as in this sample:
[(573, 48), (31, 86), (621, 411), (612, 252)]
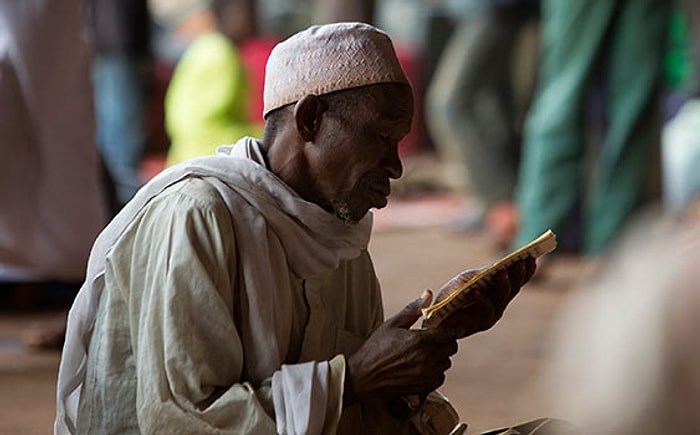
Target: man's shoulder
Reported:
[(189, 209), (192, 193)]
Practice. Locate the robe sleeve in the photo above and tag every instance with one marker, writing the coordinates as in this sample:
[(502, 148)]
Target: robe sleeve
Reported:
[(308, 396), (187, 350)]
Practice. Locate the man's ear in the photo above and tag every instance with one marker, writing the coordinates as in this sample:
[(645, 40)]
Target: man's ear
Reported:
[(307, 116)]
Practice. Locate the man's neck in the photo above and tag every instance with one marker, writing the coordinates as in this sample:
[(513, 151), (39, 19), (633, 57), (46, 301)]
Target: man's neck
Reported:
[(287, 160)]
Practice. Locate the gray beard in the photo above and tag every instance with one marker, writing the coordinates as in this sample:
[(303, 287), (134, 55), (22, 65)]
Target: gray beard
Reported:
[(342, 211)]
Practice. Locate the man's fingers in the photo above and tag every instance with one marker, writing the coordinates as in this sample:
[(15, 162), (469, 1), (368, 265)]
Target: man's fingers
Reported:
[(520, 273), (437, 383), (500, 292), (530, 267), (411, 312), (491, 302), (443, 341), (517, 274)]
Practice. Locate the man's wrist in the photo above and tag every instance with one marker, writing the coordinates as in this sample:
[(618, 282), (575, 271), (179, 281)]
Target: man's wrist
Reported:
[(352, 388), (348, 386)]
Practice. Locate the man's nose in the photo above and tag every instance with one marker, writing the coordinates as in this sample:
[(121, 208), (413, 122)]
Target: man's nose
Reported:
[(392, 164)]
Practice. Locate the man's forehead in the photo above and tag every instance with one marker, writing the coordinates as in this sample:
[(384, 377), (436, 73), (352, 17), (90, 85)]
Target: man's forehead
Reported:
[(395, 102), (387, 103)]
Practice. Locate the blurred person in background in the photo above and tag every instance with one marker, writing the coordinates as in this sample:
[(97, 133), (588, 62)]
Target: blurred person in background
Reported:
[(473, 108), (121, 73), (207, 101), (625, 357), (681, 134), (331, 11), (561, 176), (51, 198)]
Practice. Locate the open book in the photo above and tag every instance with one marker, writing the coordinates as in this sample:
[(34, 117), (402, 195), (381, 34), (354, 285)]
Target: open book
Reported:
[(435, 314)]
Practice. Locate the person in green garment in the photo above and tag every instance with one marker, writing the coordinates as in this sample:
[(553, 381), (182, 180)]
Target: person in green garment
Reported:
[(582, 188), (206, 101)]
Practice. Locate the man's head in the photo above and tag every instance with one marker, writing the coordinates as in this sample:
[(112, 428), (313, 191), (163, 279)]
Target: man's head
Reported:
[(336, 105)]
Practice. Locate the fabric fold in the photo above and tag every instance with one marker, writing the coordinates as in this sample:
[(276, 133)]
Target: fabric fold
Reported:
[(300, 394)]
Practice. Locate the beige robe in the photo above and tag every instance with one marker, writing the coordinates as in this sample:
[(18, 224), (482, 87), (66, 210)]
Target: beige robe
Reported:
[(221, 304)]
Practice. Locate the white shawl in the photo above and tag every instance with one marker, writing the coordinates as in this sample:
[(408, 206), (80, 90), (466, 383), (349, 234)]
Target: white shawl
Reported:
[(315, 240)]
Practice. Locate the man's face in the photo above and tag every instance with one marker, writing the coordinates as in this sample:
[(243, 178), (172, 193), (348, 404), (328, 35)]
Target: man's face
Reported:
[(356, 153)]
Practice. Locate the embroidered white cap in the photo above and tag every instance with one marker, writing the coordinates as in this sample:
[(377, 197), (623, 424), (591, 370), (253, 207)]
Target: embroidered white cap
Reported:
[(329, 58)]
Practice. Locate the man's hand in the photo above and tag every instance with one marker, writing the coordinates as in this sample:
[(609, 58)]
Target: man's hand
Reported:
[(489, 304), (397, 361)]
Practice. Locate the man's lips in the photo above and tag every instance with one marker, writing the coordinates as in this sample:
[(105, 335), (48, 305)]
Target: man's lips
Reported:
[(383, 190), (379, 193)]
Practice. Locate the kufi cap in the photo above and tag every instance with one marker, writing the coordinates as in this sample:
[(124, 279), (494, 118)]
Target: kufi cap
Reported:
[(329, 58)]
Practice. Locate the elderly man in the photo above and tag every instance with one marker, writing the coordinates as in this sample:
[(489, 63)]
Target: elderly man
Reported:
[(235, 293)]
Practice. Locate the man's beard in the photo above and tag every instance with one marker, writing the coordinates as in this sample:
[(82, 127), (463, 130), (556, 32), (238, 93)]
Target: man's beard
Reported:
[(342, 210), (343, 204)]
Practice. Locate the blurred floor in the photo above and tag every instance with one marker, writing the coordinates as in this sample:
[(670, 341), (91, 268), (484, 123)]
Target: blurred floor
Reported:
[(492, 378), (27, 378)]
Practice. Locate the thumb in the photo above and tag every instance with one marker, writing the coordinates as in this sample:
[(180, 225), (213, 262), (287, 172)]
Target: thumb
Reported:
[(411, 312)]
